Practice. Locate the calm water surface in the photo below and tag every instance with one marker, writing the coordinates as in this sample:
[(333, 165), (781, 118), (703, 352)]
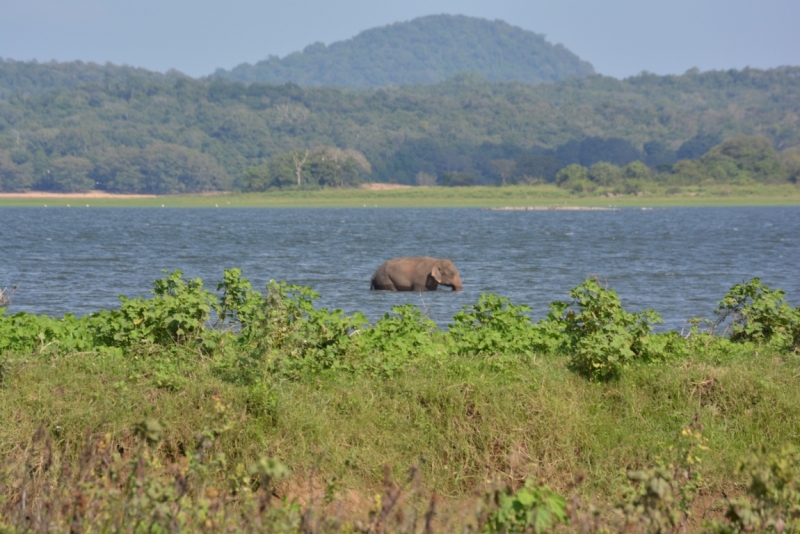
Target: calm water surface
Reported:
[(678, 261)]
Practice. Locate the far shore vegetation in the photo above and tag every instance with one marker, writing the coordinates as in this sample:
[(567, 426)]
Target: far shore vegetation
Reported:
[(588, 136)]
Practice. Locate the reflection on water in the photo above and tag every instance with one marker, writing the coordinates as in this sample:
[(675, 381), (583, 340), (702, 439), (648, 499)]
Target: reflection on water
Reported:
[(678, 261)]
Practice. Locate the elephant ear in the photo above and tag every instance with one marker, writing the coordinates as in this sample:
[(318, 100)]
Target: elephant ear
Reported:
[(437, 274)]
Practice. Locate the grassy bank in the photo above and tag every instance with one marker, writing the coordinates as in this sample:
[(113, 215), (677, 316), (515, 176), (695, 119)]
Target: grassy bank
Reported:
[(279, 396), (465, 422), (448, 197)]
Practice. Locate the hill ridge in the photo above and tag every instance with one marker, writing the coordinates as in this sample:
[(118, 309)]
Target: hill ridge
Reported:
[(423, 50)]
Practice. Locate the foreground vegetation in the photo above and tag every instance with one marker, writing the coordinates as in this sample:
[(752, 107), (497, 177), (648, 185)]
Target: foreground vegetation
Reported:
[(195, 411)]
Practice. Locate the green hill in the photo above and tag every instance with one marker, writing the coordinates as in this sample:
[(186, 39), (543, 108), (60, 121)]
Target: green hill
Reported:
[(33, 78), (424, 50)]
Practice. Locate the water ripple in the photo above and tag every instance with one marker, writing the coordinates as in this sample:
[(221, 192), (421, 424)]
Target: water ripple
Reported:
[(678, 261)]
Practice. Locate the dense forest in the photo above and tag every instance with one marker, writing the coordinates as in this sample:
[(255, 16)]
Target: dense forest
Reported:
[(33, 78), (425, 50), (132, 133)]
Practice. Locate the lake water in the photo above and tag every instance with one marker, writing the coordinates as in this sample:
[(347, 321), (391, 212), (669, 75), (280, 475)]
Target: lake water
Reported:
[(678, 261)]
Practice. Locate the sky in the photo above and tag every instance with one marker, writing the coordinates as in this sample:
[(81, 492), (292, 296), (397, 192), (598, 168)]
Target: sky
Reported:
[(619, 38)]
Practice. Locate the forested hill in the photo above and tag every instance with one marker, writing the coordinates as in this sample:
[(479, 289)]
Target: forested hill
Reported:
[(33, 78), (135, 135), (424, 50)]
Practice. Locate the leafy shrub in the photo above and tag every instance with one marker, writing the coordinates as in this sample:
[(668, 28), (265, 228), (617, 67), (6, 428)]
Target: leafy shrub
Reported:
[(178, 313), (238, 305), (602, 337), (396, 339), (659, 498), (492, 326), (760, 314), (663, 346), (532, 508), (772, 503), (292, 336), (26, 333)]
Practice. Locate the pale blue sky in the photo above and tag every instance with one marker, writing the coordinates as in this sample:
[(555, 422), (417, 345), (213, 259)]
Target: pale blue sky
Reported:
[(619, 37)]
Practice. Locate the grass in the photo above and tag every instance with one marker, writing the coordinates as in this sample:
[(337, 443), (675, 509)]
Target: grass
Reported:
[(542, 195), (463, 422)]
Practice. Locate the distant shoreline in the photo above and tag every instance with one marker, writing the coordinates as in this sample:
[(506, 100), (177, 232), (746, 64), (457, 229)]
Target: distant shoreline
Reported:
[(552, 208), (87, 194), (508, 198)]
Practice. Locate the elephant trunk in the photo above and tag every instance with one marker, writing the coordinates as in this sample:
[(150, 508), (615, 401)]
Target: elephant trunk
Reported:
[(456, 283)]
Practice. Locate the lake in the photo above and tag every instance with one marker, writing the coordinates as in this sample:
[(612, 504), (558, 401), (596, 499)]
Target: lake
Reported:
[(678, 261)]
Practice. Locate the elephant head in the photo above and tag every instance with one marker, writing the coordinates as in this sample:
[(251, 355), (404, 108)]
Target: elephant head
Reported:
[(446, 274)]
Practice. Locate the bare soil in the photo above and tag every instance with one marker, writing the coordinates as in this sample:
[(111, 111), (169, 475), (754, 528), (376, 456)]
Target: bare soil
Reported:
[(383, 187)]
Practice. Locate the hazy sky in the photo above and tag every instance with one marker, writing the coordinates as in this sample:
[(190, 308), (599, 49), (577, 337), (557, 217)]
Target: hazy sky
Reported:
[(619, 37)]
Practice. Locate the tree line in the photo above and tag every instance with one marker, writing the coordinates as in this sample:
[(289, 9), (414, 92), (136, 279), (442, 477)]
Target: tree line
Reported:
[(135, 134)]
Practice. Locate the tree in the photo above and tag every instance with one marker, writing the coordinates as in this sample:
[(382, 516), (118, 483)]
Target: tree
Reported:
[(504, 168), (255, 179), (68, 174), (593, 149), (605, 174), (698, 145), (689, 171), (636, 170), (658, 155), (334, 167), (169, 168), (572, 174), (325, 166), (15, 175), (299, 158), (744, 157), (118, 170), (790, 159), (537, 167), (425, 179)]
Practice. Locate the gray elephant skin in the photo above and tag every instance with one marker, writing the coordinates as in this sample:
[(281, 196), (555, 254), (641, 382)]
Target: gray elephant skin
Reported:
[(418, 273)]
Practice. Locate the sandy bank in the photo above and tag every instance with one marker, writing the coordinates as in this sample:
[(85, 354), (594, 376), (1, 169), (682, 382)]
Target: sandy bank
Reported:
[(383, 187), (551, 208), (87, 194)]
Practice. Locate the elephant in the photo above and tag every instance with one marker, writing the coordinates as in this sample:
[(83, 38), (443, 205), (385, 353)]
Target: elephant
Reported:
[(418, 273)]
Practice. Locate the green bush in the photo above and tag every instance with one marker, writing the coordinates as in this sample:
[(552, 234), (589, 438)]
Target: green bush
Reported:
[(760, 314), (532, 508), (284, 333), (26, 333), (397, 339), (772, 503), (601, 336), (178, 313), (494, 326), (291, 336)]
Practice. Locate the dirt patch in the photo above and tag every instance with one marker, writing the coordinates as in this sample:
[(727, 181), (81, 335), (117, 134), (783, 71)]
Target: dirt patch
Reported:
[(86, 194), (383, 187)]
